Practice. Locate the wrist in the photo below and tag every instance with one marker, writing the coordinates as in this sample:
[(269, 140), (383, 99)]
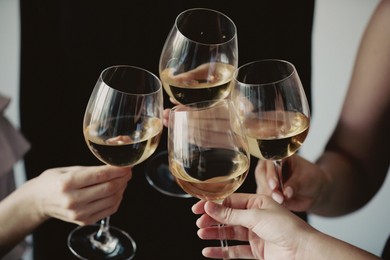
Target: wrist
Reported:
[(308, 243), (322, 195), (32, 198)]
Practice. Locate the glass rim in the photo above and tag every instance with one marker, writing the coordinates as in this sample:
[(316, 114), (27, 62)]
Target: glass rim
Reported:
[(194, 108), (154, 76), (234, 37), (281, 61), (197, 106)]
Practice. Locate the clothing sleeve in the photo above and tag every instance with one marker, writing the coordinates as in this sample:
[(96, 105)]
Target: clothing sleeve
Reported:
[(12, 143)]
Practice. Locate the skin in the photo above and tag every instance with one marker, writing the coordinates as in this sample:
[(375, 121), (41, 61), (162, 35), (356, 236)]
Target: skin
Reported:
[(76, 194), (345, 177), (354, 163), (272, 231)]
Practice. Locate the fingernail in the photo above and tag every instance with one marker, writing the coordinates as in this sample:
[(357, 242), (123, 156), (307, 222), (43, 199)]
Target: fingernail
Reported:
[(288, 192), (277, 197), (272, 184)]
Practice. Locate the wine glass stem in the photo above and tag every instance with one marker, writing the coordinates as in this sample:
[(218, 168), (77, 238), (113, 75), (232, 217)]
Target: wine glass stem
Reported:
[(104, 231), (224, 243), (223, 240), (102, 239), (278, 171)]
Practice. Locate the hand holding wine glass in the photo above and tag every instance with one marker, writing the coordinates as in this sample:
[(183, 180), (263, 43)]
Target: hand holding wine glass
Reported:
[(273, 108), (122, 127), (208, 151), (197, 63)]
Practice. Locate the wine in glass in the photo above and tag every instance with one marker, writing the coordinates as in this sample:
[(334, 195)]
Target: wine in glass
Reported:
[(122, 127), (273, 108), (208, 151), (197, 63)]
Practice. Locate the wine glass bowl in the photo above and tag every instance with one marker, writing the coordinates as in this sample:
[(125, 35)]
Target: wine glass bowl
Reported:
[(273, 108), (208, 151), (163, 181), (199, 56), (122, 127), (196, 64), (122, 124)]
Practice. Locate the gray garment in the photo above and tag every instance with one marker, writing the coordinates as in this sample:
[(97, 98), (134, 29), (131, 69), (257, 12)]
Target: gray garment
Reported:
[(12, 148), (12, 143)]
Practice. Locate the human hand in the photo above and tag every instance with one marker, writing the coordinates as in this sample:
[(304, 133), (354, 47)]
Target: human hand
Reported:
[(77, 194), (166, 112), (303, 182), (206, 73), (166, 116), (272, 231), (203, 74)]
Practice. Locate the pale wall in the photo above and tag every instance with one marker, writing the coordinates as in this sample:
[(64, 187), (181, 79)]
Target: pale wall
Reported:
[(337, 31)]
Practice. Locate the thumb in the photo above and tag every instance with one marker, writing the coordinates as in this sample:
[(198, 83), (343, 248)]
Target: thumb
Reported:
[(225, 215)]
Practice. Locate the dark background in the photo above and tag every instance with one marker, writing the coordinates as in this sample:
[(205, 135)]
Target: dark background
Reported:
[(65, 45)]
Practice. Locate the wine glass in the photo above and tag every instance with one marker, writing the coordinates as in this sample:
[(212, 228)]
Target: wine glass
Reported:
[(197, 63), (122, 127), (208, 151), (273, 108)]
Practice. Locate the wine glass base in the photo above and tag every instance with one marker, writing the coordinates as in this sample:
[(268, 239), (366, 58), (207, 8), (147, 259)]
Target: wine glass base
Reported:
[(159, 177), (80, 245)]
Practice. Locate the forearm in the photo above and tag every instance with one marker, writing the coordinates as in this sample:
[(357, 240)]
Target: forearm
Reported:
[(18, 217), (326, 247), (356, 160), (342, 191)]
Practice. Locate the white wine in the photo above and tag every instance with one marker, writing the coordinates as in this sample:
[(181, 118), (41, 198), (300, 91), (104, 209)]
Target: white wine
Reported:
[(126, 149), (213, 83), (277, 135), (211, 174)]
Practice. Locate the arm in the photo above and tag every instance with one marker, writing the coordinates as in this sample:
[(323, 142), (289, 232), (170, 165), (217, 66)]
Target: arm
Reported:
[(354, 163), (272, 231), (81, 195), (355, 158)]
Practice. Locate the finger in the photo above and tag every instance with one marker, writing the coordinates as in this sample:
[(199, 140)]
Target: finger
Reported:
[(288, 192), (198, 207), (236, 215), (277, 196), (271, 175), (99, 191), (95, 210), (95, 217), (266, 178), (206, 221), (111, 208), (173, 101), (86, 176), (267, 182), (237, 233), (241, 252), (240, 200), (213, 252), (166, 117), (235, 252)]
